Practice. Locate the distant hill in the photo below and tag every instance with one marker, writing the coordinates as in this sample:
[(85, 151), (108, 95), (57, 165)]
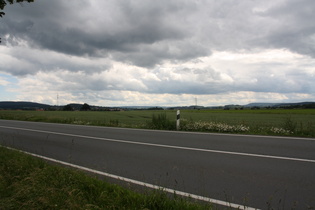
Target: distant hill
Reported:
[(308, 105), (261, 104), (283, 105), (22, 105)]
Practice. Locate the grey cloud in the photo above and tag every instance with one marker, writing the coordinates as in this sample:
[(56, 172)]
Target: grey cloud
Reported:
[(146, 33), (293, 27), (23, 61), (124, 24), (265, 78), (273, 78), (187, 81), (157, 53), (64, 29)]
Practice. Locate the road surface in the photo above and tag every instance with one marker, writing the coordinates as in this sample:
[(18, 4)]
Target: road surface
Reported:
[(254, 171)]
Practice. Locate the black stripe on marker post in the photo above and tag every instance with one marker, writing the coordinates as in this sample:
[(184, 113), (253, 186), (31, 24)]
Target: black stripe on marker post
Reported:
[(178, 120)]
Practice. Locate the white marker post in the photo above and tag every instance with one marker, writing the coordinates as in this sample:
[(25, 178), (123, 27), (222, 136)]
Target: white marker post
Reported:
[(178, 120)]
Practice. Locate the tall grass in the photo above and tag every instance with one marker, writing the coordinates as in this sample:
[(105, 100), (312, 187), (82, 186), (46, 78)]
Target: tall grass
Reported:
[(27, 182), (161, 122)]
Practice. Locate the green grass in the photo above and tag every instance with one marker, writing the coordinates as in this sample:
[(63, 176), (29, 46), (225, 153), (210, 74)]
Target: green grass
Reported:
[(27, 182), (293, 122)]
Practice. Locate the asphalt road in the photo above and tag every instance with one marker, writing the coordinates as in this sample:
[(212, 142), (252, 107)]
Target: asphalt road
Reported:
[(255, 171)]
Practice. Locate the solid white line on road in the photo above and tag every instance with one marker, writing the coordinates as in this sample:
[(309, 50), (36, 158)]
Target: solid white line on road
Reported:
[(197, 197), (166, 146)]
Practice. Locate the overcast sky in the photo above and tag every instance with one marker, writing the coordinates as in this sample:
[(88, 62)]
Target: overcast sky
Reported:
[(159, 53)]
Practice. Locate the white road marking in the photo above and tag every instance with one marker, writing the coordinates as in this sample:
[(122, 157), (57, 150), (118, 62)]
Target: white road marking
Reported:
[(166, 146), (181, 193)]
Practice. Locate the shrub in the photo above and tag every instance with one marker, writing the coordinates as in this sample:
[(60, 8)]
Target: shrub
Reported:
[(289, 124), (161, 122)]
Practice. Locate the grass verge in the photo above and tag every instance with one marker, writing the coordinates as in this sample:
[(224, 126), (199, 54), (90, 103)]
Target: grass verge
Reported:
[(27, 182)]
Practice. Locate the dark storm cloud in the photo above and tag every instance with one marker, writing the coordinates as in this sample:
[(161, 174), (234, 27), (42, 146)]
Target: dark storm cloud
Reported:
[(146, 33), (150, 55), (119, 27), (292, 27)]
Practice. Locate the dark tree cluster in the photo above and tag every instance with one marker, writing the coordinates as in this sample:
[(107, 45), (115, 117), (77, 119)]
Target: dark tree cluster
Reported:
[(68, 108), (76, 107), (85, 107)]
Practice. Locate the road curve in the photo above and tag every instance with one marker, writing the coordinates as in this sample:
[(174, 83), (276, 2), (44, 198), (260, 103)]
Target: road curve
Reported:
[(256, 171)]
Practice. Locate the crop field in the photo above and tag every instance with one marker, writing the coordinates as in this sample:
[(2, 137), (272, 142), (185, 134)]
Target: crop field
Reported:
[(292, 122)]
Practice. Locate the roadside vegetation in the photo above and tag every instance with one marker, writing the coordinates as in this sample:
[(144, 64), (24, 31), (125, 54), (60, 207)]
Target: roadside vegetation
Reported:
[(287, 122), (27, 182)]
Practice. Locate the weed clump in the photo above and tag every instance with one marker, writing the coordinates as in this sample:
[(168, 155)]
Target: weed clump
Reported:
[(290, 125), (161, 122)]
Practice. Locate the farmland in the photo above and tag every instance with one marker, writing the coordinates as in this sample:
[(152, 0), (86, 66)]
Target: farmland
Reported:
[(292, 122)]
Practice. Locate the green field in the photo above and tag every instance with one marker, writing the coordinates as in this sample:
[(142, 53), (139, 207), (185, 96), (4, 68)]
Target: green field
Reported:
[(293, 122)]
